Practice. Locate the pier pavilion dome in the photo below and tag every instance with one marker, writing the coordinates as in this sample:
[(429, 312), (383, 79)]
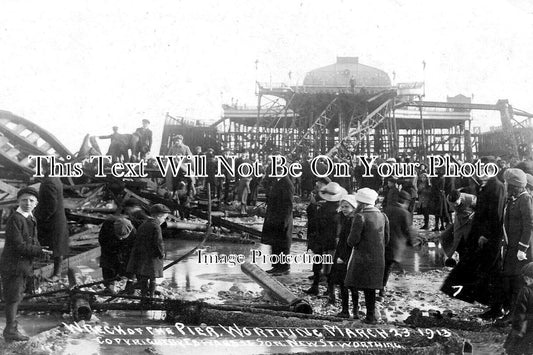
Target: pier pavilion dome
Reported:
[(345, 69)]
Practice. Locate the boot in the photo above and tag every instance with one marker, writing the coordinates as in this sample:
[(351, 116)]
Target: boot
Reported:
[(370, 300), (344, 313), (11, 333), (355, 303)]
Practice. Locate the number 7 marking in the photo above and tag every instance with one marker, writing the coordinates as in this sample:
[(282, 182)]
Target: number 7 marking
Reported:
[(459, 289)]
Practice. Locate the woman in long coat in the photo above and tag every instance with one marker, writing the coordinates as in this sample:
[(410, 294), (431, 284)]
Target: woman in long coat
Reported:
[(368, 236)]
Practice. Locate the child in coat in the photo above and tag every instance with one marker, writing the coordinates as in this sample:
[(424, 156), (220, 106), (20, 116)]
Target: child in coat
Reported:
[(348, 204)]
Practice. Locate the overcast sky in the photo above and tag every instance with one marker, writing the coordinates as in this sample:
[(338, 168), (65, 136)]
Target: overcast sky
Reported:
[(78, 67)]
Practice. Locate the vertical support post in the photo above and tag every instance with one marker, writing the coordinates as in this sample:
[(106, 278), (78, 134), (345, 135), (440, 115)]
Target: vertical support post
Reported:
[(257, 127), (468, 142), (423, 135)]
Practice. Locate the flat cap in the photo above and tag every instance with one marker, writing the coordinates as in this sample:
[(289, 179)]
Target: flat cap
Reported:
[(179, 136), (28, 191), (145, 121), (159, 208), (122, 227)]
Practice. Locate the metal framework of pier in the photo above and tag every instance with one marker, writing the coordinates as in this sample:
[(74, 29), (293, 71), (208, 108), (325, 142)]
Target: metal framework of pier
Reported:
[(388, 121)]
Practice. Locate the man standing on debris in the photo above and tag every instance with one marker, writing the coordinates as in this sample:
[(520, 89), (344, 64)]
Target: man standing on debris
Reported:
[(114, 150), (20, 248), (144, 144), (146, 260), (178, 148), (51, 219), (277, 227)]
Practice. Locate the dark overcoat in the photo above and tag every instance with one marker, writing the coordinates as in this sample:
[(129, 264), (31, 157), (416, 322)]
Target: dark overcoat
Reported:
[(401, 232), (51, 219), (518, 222), (277, 227), (148, 251), (477, 276), (488, 220), (368, 236), (21, 246), (115, 252), (326, 221)]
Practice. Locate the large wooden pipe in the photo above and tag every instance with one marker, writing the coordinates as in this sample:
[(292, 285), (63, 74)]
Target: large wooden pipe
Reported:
[(275, 288), (186, 226)]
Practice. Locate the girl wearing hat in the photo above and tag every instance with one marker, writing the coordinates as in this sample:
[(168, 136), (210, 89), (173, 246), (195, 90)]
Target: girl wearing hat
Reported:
[(520, 339), (348, 205), (368, 235), (326, 222)]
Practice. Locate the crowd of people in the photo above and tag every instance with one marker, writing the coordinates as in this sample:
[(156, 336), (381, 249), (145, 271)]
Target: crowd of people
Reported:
[(486, 223), (365, 223)]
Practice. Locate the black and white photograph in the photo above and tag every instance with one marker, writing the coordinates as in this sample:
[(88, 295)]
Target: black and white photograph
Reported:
[(266, 177)]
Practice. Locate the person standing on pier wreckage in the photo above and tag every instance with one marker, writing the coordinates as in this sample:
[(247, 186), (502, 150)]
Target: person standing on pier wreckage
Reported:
[(278, 224), (173, 182), (51, 219), (144, 143), (116, 146), (21, 246)]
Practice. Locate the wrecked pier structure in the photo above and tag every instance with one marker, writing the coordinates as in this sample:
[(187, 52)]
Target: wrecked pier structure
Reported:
[(349, 108)]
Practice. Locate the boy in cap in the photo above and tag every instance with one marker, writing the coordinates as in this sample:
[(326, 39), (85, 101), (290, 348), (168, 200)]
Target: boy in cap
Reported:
[(116, 238), (146, 260), (520, 339), (518, 229), (16, 262)]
